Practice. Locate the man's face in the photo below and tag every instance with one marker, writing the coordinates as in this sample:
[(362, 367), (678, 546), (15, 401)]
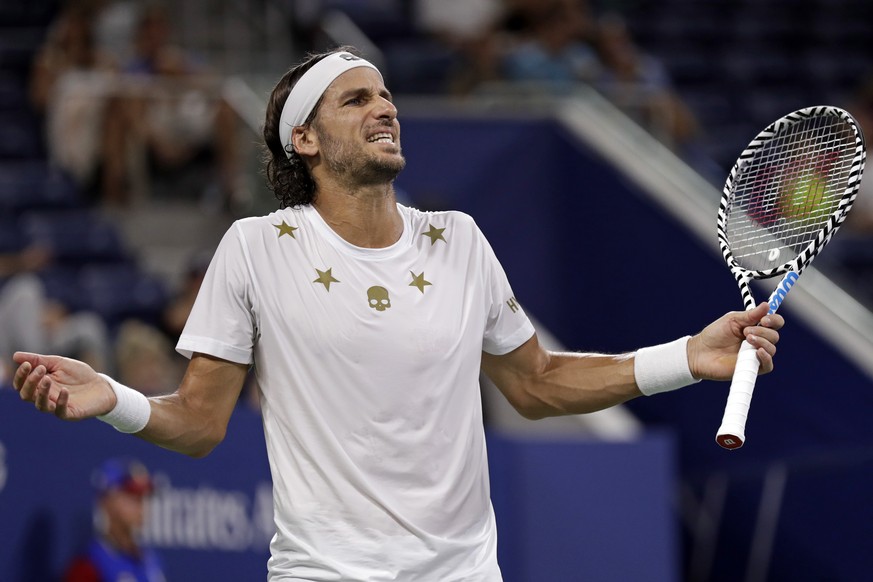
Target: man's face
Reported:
[(357, 129)]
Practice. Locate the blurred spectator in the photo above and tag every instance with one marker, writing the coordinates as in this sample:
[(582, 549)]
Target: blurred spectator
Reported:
[(456, 20), (640, 85), (30, 321), (554, 49), (469, 30), (177, 310), (169, 116), (70, 81), (28, 260), (17, 331), (115, 553), (146, 359)]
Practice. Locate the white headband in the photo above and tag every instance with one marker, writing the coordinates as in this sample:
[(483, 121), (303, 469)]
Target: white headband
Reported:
[(309, 89)]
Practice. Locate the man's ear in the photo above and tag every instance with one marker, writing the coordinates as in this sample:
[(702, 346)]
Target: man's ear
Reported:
[(305, 140)]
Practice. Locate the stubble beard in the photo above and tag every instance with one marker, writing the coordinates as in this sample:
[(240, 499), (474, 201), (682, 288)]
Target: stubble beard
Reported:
[(359, 168)]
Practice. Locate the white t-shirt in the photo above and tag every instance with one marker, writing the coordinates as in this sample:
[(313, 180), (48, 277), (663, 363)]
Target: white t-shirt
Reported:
[(368, 364)]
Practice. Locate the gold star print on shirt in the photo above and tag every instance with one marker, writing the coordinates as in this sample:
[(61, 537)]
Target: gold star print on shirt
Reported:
[(325, 278), (419, 281), (435, 234), (286, 228)]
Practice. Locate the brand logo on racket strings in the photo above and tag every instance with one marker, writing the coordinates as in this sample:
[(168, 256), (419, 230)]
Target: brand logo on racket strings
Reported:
[(782, 290)]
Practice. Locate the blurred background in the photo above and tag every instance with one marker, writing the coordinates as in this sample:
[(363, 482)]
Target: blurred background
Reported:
[(588, 138)]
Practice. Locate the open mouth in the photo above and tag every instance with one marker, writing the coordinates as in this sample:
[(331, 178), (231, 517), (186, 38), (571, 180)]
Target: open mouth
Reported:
[(381, 138)]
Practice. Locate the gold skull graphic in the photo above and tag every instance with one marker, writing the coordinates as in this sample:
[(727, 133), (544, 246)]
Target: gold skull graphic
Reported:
[(378, 298)]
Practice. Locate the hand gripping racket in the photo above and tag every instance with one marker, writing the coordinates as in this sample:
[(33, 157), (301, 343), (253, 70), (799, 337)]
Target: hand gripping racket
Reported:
[(786, 196)]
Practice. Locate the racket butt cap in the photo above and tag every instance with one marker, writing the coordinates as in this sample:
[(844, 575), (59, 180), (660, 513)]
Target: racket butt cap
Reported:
[(729, 441)]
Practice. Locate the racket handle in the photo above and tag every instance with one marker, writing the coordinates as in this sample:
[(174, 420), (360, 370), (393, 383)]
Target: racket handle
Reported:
[(731, 433)]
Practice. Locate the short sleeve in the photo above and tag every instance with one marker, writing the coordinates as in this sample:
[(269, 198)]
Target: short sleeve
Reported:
[(222, 321), (507, 326)]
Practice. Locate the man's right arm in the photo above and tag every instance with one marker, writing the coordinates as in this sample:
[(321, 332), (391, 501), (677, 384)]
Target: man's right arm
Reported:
[(192, 420)]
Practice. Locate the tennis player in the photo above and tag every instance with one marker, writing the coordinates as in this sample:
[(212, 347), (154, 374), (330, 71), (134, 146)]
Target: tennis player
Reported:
[(367, 323)]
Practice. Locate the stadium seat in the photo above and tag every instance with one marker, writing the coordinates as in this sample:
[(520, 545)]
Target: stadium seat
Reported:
[(61, 284), (20, 135), (33, 184), (75, 236), (120, 291), (13, 94), (12, 237)]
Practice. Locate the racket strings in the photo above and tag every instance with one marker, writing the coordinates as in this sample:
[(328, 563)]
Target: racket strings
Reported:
[(785, 194)]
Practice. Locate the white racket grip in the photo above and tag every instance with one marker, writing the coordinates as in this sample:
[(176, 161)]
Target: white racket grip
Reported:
[(731, 433)]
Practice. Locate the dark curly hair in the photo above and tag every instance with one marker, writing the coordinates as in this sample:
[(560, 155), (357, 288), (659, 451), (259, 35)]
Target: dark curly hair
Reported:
[(288, 176)]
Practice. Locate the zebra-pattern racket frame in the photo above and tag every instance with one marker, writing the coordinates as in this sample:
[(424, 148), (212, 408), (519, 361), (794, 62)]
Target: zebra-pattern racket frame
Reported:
[(743, 275)]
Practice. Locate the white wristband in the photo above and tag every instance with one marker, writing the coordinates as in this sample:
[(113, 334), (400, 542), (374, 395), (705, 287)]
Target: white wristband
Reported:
[(132, 411), (663, 367)]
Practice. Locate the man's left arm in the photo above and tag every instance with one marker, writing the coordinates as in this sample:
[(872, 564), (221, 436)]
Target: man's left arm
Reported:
[(540, 383)]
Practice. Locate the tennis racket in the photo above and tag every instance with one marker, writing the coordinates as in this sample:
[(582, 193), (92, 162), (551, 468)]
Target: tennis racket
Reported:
[(785, 197)]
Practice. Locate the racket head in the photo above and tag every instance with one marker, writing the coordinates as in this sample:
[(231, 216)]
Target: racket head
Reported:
[(789, 191)]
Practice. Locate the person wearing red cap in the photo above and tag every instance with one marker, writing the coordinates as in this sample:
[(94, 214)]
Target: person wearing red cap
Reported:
[(115, 553)]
